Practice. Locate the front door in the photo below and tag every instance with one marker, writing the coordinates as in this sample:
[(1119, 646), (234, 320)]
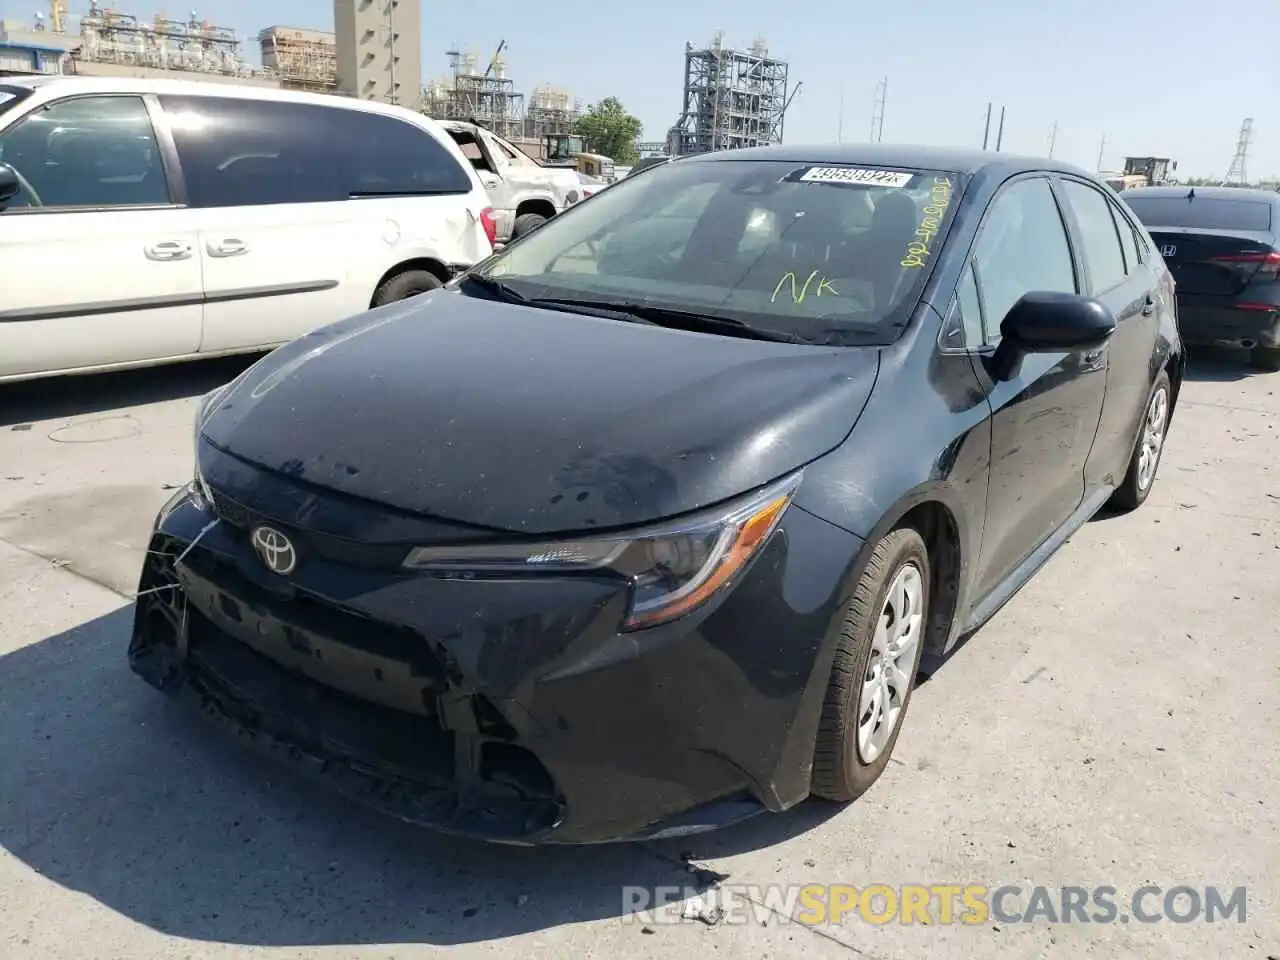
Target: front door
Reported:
[(1043, 420), (97, 266)]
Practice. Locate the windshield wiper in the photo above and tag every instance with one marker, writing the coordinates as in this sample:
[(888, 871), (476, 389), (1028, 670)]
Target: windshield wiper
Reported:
[(681, 319), (490, 285)]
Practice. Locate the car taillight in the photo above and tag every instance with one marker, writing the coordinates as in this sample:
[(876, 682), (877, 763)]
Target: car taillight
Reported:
[(490, 223), (1267, 264)]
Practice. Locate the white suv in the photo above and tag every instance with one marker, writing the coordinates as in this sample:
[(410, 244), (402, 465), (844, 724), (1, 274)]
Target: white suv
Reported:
[(147, 221)]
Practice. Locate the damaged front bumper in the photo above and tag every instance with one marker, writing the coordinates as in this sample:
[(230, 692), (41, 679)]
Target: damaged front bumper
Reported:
[(510, 711)]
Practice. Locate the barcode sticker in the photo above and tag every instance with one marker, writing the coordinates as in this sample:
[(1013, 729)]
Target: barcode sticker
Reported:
[(875, 178)]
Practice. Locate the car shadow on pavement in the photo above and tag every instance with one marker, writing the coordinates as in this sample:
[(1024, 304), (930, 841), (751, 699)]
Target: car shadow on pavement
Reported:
[(1219, 365), (36, 400), (112, 790)]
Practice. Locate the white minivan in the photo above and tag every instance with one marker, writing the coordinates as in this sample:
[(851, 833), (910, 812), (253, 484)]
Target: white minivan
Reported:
[(148, 221)]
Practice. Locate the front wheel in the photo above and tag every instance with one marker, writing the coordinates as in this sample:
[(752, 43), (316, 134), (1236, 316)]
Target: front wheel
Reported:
[(876, 659), (1141, 475)]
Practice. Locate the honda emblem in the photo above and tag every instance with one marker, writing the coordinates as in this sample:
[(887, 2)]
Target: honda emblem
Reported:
[(1168, 250)]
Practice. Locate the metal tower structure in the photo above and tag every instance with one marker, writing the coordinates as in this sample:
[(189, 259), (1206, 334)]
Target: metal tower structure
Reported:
[(732, 99), (877, 110), (1238, 172)]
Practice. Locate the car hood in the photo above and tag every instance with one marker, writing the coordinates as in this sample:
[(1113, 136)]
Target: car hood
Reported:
[(536, 421)]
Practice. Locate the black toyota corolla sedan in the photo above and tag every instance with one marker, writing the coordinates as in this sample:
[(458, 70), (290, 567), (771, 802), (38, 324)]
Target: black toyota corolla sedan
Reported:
[(642, 525)]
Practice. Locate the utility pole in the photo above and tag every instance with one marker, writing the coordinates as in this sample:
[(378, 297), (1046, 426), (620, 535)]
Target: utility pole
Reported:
[(1101, 149), (1053, 138), (877, 110), (1000, 132), (391, 47), (840, 122), (986, 131)]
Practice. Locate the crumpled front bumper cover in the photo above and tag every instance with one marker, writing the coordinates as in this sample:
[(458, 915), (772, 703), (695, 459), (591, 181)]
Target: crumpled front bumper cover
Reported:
[(591, 753)]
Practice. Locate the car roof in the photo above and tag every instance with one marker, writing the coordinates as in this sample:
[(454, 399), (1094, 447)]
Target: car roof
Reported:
[(947, 159), (59, 85), (1206, 193)]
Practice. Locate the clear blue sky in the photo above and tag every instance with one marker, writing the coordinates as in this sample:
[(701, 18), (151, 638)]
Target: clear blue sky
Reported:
[(1172, 78)]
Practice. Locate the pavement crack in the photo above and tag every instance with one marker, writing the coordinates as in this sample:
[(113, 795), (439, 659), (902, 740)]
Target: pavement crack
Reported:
[(57, 563)]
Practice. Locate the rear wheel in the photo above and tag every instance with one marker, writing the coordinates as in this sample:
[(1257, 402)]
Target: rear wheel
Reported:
[(1141, 475), (410, 283), (527, 223), (876, 659), (1266, 358)]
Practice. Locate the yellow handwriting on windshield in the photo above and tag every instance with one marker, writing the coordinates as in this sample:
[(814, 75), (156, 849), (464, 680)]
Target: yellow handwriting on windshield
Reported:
[(797, 296), (918, 250)]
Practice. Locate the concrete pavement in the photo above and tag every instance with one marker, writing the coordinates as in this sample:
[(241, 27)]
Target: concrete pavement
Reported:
[(1117, 724)]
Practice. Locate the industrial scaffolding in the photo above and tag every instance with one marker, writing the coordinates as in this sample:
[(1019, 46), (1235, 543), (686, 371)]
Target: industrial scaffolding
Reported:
[(303, 59), (551, 112), (486, 96), (732, 99), (194, 45)]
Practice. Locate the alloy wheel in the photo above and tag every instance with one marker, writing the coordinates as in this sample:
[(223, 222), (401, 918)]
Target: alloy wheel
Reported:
[(1153, 432), (892, 658)]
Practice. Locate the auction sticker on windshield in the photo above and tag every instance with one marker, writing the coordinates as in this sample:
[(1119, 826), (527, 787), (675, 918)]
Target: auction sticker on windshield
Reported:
[(874, 178)]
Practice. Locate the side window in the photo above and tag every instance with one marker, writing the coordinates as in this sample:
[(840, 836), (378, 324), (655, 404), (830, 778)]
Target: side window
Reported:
[(1022, 248), (1128, 240), (86, 152), (239, 152), (1102, 249), (245, 152), (387, 156), (964, 325)]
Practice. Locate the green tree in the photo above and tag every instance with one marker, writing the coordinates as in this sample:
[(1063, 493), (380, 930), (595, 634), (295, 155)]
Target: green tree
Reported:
[(607, 128)]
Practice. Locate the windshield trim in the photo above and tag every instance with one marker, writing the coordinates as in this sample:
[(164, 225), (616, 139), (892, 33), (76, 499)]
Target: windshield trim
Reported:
[(881, 327)]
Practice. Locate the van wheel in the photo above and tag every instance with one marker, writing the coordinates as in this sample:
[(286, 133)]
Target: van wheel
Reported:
[(1266, 358), (874, 671), (527, 223), (410, 283), (1145, 461)]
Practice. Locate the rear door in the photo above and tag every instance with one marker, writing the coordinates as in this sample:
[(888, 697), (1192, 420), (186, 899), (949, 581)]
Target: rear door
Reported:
[(98, 263), (1115, 273), (1043, 420), (266, 181)]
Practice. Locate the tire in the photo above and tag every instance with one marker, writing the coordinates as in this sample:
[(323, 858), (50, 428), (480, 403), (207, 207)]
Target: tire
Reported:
[(1265, 358), (842, 771), (408, 283), (526, 223), (1136, 486)]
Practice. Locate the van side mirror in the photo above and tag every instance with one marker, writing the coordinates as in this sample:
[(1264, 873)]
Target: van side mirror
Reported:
[(10, 185), (1045, 322)]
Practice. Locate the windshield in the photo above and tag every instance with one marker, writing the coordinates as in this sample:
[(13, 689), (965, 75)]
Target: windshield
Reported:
[(827, 254), (1201, 213)]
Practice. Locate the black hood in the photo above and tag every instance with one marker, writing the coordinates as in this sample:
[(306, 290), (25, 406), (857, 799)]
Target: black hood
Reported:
[(535, 421)]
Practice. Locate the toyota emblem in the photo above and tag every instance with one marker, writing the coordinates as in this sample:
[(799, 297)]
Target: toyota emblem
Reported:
[(275, 549)]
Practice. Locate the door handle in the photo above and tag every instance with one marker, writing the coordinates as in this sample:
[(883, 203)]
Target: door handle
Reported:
[(1149, 306), (229, 247), (168, 250)]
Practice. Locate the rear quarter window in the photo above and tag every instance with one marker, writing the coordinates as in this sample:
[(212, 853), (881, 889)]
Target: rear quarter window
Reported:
[(1203, 213)]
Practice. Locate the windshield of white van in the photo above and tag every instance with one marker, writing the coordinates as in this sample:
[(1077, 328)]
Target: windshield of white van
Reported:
[(824, 254)]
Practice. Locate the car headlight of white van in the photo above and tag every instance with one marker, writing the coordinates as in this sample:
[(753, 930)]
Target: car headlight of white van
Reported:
[(673, 568)]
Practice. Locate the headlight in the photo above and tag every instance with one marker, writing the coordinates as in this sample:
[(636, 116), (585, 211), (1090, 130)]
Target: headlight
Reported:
[(672, 569)]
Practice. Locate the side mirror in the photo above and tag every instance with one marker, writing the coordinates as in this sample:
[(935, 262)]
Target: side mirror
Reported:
[(10, 185), (1042, 322)]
